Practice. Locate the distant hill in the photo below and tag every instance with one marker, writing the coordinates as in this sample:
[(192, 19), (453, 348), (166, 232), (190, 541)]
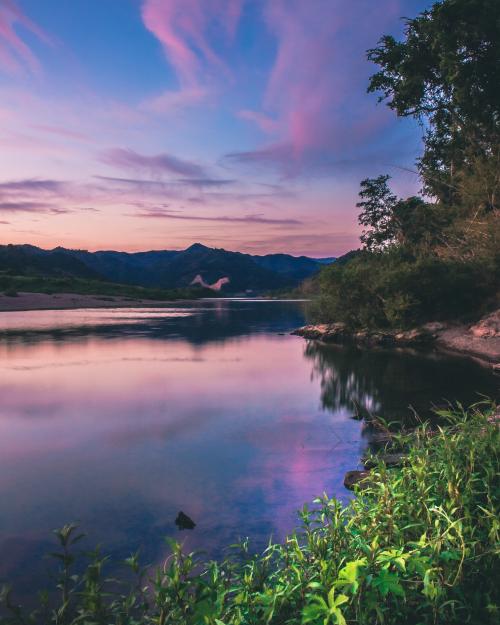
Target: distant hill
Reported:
[(231, 272)]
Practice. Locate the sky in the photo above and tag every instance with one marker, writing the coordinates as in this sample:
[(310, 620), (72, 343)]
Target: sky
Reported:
[(154, 124)]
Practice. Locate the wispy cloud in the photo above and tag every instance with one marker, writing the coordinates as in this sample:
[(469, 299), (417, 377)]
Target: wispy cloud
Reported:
[(188, 31), (314, 105), (158, 184), (30, 185), (15, 54), (169, 102), (193, 35), (323, 244), (31, 207), (247, 219), (62, 132), (155, 165), (264, 122)]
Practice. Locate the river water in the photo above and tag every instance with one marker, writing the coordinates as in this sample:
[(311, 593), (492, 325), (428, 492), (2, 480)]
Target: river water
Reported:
[(118, 419)]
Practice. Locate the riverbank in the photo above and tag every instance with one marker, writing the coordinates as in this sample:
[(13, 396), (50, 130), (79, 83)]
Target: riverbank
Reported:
[(480, 340), (68, 301)]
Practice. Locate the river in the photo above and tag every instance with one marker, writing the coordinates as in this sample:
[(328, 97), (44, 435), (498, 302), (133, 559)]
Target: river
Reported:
[(119, 419)]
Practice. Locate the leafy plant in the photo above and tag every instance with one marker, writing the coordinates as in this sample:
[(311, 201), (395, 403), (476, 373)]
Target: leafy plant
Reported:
[(420, 546)]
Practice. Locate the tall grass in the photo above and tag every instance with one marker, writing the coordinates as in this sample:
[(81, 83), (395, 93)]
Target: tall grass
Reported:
[(420, 545)]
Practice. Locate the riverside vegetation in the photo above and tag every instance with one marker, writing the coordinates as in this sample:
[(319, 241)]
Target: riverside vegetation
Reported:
[(435, 256), (418, 545)]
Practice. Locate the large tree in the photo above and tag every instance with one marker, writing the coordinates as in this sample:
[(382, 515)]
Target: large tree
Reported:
[(446, 73)]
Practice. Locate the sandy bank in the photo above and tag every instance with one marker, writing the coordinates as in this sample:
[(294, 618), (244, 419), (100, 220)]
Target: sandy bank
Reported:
[(65, 301), (481, 340)]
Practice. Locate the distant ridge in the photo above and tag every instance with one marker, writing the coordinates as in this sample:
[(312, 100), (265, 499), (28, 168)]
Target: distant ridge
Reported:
[(230, 272)]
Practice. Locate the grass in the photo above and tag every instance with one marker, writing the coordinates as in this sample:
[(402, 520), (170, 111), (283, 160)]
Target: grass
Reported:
[(50, 285), (420, 545)]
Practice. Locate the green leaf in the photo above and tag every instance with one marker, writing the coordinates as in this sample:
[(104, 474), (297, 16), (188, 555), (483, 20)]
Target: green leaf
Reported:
[(388, 583)]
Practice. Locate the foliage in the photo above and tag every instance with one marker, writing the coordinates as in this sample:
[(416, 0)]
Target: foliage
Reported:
[(420, 545), (446, 73), (397, 289), (392, 221), (432, 260), (377, 203)]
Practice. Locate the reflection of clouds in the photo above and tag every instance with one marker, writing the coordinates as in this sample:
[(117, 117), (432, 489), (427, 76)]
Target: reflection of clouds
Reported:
[(168, 429), (302, 457), (131, 431)]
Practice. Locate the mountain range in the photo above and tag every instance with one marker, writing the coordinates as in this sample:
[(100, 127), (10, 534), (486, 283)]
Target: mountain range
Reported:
[(219, 269)]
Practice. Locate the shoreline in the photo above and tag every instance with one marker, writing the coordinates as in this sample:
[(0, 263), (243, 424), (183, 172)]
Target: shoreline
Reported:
[(480, 341), (25, 302)]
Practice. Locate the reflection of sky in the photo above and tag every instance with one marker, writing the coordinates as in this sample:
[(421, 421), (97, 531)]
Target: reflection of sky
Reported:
[(53, 319), (215, 414), (121, 435)]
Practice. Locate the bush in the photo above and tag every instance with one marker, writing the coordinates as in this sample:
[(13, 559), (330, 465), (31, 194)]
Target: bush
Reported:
[(419, 546), (395, 289)]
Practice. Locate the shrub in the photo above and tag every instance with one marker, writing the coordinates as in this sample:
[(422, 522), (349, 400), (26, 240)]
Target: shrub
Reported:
[(395, 289)]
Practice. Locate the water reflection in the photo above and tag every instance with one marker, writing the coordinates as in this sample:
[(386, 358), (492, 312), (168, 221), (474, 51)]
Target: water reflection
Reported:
[(199, 322), (207, 408), (396, 384)]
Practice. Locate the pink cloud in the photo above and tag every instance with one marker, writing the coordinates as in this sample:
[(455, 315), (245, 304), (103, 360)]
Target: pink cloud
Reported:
[(183, 26), (61, 132), (264, 122), (172, 101), (158, 164), (314, 101), (15, 55)]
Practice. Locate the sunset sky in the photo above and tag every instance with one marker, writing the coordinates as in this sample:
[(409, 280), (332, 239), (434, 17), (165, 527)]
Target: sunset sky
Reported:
[(153, 124)]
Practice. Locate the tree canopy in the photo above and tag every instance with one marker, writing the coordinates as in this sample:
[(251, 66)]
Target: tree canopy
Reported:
[(446, 74)]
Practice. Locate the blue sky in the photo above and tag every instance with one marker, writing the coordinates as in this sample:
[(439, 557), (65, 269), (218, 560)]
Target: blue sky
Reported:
[(151, 124)]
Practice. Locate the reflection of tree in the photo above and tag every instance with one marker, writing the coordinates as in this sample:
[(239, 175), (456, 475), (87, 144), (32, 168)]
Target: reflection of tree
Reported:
[(393, 383), (343, 385)]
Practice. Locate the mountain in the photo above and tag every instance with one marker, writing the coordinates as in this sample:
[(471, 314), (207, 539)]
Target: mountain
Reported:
[(31, 260), (231, 272)]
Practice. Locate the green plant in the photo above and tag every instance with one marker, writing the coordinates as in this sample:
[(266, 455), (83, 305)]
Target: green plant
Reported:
[(420, 546)]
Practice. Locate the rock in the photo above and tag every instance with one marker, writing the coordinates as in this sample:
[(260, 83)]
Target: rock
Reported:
[(339, 333), (328, 332), (433, 327), (414, 336), (359, 478), (390, 460), (488, 327), (183, 522)]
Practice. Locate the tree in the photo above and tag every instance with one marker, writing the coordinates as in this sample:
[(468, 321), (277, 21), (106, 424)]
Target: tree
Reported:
[(377, 204), (390, 221), (446, 74)]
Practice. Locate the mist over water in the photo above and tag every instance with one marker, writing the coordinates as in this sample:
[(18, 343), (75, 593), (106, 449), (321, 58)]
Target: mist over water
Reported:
[(119, 419)]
